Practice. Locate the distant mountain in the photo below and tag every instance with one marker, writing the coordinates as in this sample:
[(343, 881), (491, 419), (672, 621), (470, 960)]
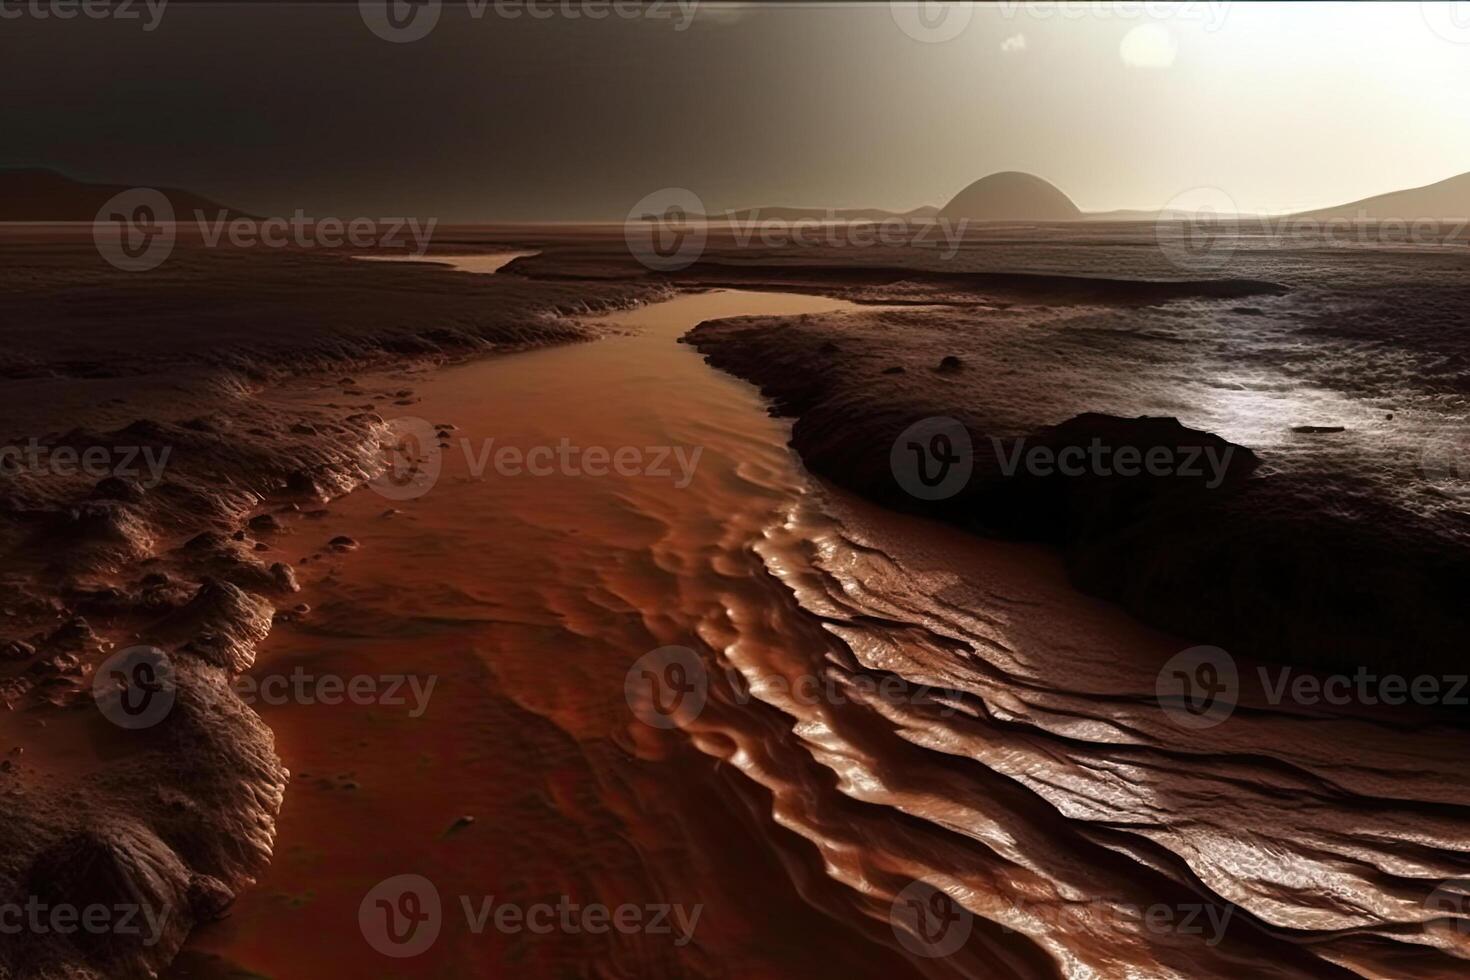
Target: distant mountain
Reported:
[(1446, 200), (820, 214), (1011, 196), (34, 194)]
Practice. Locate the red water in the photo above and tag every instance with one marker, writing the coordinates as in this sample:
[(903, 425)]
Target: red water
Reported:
[(1047, 793)]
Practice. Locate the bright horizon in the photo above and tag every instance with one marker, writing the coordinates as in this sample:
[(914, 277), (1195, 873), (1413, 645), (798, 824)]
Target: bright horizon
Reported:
[(1285, 107)]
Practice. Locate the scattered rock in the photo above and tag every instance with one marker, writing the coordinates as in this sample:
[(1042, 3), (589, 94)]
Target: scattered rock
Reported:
[(265, 523), (285, 577), (17, 650)]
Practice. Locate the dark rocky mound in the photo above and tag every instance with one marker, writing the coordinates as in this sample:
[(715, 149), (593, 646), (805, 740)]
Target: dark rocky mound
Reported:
[(36, 194), (1011, 196), (1276, 566)]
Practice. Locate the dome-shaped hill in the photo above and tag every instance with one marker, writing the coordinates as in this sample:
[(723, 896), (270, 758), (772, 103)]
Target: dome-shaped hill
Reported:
[(1011, 196)]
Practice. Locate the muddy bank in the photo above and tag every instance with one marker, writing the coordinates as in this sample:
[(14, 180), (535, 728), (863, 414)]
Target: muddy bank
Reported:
[(1292, 517), (150, 499)]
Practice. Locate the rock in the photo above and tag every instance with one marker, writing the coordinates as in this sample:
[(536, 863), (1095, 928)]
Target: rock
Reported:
[(265, 523), (285, 577), (302, 483), (304, 429), (950, 363), (238, 536), (17, 650), (896, 369), (342, 543), (1318, 429)]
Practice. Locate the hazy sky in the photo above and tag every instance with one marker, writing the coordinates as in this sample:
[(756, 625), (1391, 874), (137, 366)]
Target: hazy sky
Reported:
[(275, 107)]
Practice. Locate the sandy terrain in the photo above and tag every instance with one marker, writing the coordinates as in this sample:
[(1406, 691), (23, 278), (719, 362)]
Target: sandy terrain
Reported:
[(1334, 543)]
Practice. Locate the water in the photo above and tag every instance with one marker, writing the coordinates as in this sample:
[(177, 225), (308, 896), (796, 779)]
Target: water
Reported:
[(888, 702)]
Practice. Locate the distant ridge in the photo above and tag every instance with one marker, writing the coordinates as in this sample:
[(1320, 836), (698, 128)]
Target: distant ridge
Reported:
[(1446, 200), (36, 194), (1021, 198)]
